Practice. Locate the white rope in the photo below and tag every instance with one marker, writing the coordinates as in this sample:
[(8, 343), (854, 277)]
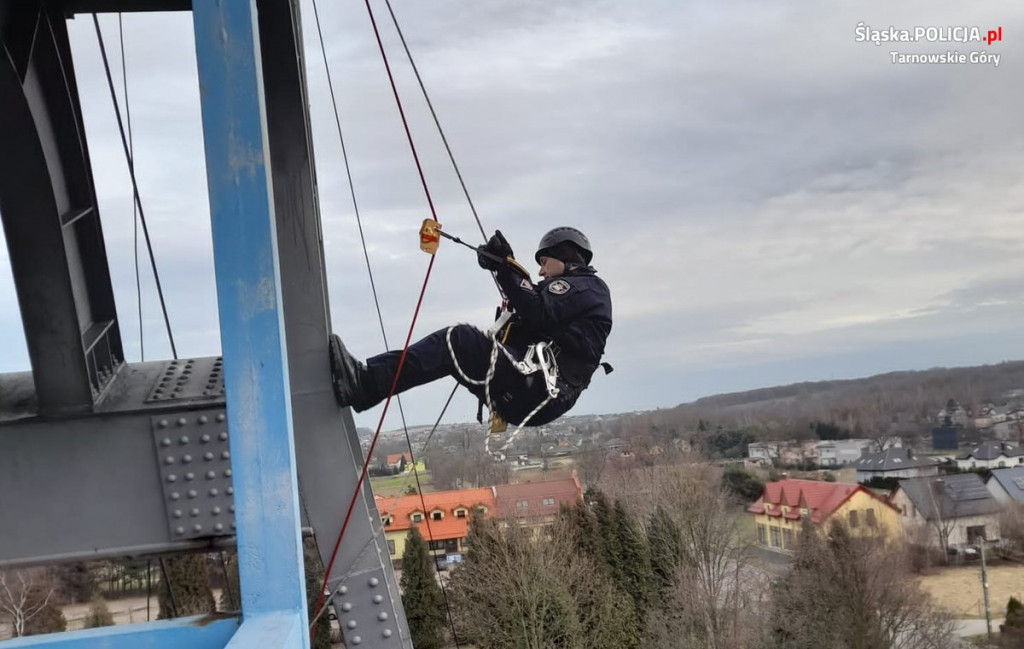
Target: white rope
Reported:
[(486, 382)]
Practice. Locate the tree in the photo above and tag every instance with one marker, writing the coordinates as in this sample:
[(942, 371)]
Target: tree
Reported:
[(591, 460), (743, 484), (666, 549), (421, 596), (853, 592), (99, 615), (634, 559), (186, 587), (26, 597), (1011, 633)]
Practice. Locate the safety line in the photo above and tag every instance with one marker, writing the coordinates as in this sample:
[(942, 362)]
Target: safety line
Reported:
[(135, 210), (135, 185)]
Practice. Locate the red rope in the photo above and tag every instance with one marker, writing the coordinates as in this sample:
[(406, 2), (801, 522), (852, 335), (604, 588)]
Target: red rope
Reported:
[(408, 338)]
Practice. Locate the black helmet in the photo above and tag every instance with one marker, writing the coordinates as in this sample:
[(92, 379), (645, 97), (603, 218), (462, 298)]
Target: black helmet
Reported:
[(561, 235)]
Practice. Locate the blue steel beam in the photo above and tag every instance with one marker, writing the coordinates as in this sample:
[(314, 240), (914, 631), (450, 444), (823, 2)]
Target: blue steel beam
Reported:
[(252, 323), (192, 632)]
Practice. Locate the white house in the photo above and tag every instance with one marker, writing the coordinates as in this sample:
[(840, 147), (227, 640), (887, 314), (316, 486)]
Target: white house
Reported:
[(947, 512), (895, 463), (764, 453), (1007, 485), (991, 454), (840, 452)]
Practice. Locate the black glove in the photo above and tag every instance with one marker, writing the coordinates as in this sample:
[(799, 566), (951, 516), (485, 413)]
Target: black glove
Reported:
[(492, 254)]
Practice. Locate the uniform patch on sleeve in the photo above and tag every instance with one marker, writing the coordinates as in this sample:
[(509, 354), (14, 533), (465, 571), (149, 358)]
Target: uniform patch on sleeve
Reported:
[(526, 285), (559, 287)]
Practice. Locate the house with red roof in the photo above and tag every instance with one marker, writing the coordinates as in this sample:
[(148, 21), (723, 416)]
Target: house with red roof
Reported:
[(442, 518), (394, 460), (784, 506), (537, 503)]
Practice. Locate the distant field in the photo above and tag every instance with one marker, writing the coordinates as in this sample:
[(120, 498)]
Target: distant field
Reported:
[(557, 469), (396, 485), (958, 589)]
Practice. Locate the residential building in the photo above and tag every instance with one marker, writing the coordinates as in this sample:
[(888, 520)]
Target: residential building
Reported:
[(764, 453), (442, 518), (1007, 485), (394, 460), (799, 453), (784, 505), (953, 415), (841, 452), (991, 454), (536, 503), (947, 512), (894, 463)]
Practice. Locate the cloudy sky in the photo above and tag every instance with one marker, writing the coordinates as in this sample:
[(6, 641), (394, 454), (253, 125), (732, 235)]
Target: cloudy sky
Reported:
[(770, 200)]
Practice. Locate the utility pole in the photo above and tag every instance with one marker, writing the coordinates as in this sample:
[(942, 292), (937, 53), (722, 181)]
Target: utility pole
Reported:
[(984, 590)]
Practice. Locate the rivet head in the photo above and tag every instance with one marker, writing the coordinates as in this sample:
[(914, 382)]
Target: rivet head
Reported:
[(226, 455), (215, 511), (203, 419), (346, 606), (386, 633), (210, 475), (374, 582), (214, 492), (230, 491), (351, 624), (194, 512), (178, 513), (179, 530), (357, 640), (219, 527), (205, 439), (172, 478), (343, 590), (192, 493), (207, 456), (169, 459), (182, 421), (165, 441), (227, 473), (221, 417), (183, 440), (383, 615), (231, 508), (377, 599), (162, 423), (175, 495), (186, 458), (223, 436), (197, 527), (190, 476)]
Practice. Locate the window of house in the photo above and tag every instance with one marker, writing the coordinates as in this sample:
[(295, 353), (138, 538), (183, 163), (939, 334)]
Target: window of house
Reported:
[(803, 512), (436, 516), (776, 540), (975, 533), (787, 539), (436, 545), (548, 502), (460, 513), (762, 534), (416, 517), (522, 504), (853, 518), (386, 519), (391, 547), (870, 515), (480, 509)]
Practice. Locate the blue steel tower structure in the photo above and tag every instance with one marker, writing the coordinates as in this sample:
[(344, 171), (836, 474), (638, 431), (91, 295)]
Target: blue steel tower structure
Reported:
[(101, 458)]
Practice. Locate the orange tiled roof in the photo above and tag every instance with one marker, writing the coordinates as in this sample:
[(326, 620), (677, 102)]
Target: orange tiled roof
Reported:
[(566, 491), (821, 499), (401, 509), (396, 458)]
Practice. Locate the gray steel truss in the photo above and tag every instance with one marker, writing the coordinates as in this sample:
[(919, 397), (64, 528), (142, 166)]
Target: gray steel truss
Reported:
[(102, 458)]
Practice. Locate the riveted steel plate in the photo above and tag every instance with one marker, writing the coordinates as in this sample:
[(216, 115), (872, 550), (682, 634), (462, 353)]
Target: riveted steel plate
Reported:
[(194, 460), (193, 378), (366, 610)]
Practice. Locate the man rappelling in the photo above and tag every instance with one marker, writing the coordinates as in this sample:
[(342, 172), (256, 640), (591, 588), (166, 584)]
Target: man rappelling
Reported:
[(528, 373)]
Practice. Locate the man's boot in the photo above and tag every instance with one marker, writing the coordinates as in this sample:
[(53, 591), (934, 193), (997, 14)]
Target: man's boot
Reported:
[(352, 384)]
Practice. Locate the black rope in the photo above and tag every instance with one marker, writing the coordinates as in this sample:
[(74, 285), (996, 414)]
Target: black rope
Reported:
[(135, 185), (233, 599), (437, 122), (170, 590), (135, 210)]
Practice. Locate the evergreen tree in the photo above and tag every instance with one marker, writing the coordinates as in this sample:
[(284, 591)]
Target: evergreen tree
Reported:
[(189, 581), (633, 560), (99, 615), (421, 595), (665, 542), (583, 524), (610, 553)]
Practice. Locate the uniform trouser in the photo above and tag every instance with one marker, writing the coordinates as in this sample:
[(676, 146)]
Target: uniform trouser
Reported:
[(513, 395)]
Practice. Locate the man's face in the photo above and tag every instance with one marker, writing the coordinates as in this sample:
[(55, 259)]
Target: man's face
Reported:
[(551, 267)]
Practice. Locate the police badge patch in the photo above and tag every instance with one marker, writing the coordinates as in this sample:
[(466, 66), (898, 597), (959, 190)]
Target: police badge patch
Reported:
[(559, 287)]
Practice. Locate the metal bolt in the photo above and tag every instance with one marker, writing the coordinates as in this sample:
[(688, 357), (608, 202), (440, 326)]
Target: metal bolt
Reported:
[(386, 633), (183, 440), (171, 478), (194, 512), (204, 439), (186, 458), (231, 508), (215, 511), (383, 615), (203, 419), (347, 606), (343, 590), (175, 495), (197, 527), (162, 423), (219, 527), (221, 417), (210, 475), (225, 455), (190, 476), (223, 436), (179, 530), (177, 513), (227, 473), (213, 492), (207, 456), (374, 582), (182, 421), (230, 491), (169, 459), (351, 624), (165, 441), (357, 640), (377, 599), (192, 493)]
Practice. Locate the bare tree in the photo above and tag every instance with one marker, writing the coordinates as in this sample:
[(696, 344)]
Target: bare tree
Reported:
[(24, 596), (1011, 530), (591, 459)]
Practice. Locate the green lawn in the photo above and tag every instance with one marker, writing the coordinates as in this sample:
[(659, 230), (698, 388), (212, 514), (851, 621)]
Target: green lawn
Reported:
[(397, 485)]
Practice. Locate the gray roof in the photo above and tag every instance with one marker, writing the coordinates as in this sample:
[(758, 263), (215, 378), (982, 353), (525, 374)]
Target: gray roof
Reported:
[(991, 449), (961, 494), (1012, 480), (892, 459)]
